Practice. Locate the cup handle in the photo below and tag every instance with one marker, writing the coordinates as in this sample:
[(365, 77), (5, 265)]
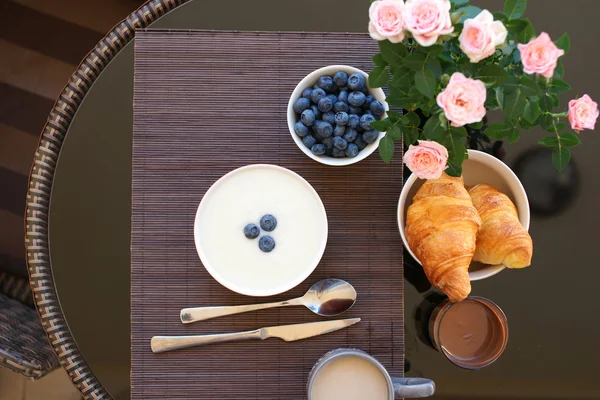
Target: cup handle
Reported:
[(413, 387)]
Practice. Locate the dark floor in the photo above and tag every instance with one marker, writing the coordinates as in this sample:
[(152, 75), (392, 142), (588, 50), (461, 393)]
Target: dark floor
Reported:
[(41, 43)]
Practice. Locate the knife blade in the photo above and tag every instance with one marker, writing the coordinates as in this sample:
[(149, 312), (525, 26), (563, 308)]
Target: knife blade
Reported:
[(289, 333)]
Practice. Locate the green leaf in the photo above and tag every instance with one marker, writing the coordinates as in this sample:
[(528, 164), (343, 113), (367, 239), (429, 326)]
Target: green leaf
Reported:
[(517, 25), (560, 157), (425, 82), (529, 87), (403, 79), (515, 105), (459, 131), (546, 103), (458, 3), (470, 13), (476, 125), (559, 86), (569, 139), (559, 72), (515, 8), (500, 97), (564, 42), (435, 66), (550, 141), (523, 123), (413, 119), (410, 135), (546, 122), (555, 99), (394, 116), (526, 34), (532, 111), (381, 126), (386, 149), (378, 77), (395, 132), (492, 75), (378, 60), (415, 61), (457, 153), (434, 50), (500, 131), (500, 16), (393, 53), (434, 129), (511, 84)]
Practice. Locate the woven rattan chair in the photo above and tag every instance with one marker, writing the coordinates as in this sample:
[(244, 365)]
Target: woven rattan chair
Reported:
[(24, 346)]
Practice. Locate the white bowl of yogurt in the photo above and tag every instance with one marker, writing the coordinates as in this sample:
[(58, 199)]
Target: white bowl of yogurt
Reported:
[(242, 197)]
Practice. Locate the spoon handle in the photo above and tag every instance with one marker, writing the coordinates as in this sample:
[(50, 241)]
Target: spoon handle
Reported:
[(189, 315)]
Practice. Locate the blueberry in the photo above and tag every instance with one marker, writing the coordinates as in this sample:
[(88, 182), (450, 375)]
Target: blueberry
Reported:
[(370, 136), (353, 120), (360, 143), (306, 93), (345, 88), (339, 130), (340, 143), (266, 244), (351, 135), (326, 83), (316, 111), (355, 110), (356, 81), (329, 117), (365, 121), (340, 106), (309, 141), (340, 78), (377, 108), (341, 118), (251, 231), (325, 104), (324, 129), (301, 104), (356, 99), (352, 150), (318, 149), (268, 222), (308, 117), (367, 112), (317, 95), (300, 129), (337, 153), (333, 98), (369, 99), (343, 96), (328, 142), (315, 86)]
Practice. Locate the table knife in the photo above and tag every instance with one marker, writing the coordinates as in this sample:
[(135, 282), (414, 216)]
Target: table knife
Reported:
[(289, 333)]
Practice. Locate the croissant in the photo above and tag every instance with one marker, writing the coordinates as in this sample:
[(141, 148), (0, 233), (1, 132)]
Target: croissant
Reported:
[(502, 239), (441, 228)]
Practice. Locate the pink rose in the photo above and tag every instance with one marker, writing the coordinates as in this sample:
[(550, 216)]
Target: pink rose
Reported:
[(427, 160), (387, 20), (427, 20), (463, 100), (481, 35), (540, 56), (583, 113)]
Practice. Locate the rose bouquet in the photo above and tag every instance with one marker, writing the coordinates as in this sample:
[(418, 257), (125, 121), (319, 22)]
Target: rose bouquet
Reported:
[(448, 63)]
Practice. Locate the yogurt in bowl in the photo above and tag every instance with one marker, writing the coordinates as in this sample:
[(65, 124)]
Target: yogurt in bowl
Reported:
[(244, 196)]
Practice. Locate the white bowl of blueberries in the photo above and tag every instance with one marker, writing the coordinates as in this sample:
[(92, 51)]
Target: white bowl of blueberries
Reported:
[(330, 113)]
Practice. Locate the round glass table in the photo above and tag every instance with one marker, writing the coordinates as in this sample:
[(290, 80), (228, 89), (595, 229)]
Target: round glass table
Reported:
[(78, 217)]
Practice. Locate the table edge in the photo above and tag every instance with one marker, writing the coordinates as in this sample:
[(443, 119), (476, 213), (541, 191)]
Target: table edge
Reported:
[(41, 179)]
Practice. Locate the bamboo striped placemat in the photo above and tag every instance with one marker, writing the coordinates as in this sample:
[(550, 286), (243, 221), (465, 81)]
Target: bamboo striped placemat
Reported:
[(206, 103)]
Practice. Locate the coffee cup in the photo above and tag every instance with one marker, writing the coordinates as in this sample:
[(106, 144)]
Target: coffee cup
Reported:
[(353, 374)]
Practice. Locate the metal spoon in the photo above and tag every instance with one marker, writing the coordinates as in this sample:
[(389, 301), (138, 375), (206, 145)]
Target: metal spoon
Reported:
[(327, 298)]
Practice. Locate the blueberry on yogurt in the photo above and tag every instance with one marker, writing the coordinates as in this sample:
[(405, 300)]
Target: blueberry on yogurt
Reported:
[(266, 244), (251, 231), (268, 222)]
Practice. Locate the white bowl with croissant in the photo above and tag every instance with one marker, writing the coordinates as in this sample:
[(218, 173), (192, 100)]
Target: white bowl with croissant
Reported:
[(491, 218)]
